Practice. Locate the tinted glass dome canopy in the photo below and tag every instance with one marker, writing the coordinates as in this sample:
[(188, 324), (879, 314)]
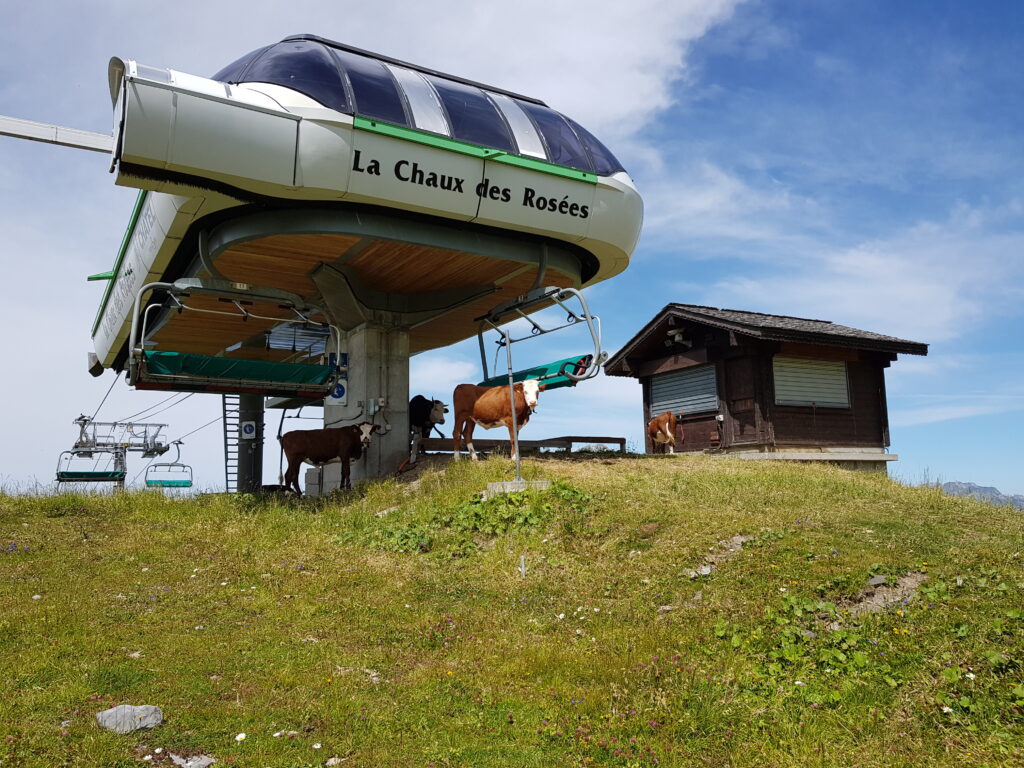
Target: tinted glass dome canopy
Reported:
[(356, 82)]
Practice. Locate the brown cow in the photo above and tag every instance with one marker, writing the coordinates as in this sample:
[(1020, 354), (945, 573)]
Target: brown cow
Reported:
[(491, 407), (325, 446), (662, 431)]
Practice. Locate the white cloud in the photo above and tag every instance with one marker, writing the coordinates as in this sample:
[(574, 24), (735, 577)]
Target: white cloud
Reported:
[(957, 407), (932, 282)]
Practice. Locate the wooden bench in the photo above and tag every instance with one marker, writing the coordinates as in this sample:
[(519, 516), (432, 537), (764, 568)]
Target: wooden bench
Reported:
[(564, 443)]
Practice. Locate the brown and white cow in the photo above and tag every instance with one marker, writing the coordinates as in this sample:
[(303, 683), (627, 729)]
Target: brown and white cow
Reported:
[(491, 407), (662, 431), (325, 446)]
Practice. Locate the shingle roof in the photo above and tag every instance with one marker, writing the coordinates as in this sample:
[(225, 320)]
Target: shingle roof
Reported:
[(783, 327), (774, 328)]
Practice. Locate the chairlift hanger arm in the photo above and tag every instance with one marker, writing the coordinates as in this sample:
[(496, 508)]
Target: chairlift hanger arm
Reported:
[(516, 309)]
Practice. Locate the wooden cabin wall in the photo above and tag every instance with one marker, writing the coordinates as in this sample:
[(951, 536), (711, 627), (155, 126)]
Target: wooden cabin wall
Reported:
[(863, 423)]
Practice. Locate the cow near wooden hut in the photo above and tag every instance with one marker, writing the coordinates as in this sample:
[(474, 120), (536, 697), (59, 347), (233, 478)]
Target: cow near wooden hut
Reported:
[(491, 407), (424, 416), (662, 432), (325, 446)]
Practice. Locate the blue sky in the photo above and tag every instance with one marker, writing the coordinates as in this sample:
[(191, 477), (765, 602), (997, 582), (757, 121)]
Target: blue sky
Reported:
[(854, 162)]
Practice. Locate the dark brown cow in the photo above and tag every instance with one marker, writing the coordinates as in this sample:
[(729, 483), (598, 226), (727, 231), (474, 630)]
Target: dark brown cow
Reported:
[(491, 407), (662, 431), (325, 446)]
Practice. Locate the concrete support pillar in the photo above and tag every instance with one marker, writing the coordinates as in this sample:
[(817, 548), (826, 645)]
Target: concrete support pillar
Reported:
[(250, 443), (378, 392)]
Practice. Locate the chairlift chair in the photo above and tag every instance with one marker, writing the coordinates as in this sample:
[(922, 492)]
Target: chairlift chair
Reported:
[(170, 474)]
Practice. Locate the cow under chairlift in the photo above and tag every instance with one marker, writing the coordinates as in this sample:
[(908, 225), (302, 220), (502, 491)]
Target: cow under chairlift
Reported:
[(170, 474)]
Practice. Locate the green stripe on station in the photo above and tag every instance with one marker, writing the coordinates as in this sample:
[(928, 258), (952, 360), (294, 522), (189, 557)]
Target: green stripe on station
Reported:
[(473, 150), (120, 258)]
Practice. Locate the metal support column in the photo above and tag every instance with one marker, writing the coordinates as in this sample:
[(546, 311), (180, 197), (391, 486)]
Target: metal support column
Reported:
[(378, 392), (250, 443)]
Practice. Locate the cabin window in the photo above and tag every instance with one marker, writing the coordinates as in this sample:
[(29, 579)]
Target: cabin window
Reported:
[(523, 129), (304, 67), (427, 113), (691, 390), (374, 89), (605, 163), (818, 383), (564, 147), (473, 117)]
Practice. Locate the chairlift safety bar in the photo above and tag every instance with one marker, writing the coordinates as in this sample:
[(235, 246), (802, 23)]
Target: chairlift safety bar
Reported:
[(516, 310)]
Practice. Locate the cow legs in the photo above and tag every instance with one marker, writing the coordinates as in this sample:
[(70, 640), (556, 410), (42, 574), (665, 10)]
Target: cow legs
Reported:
[(512, 444), (468, 431), (415, 447), (291, 476), (457, 437), (346, 484)]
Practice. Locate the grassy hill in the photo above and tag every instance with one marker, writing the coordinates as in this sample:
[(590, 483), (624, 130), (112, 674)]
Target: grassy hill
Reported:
[(394, 627)]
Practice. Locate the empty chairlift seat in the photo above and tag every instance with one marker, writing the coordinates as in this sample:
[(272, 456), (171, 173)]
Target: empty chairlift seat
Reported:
[(551, 375)]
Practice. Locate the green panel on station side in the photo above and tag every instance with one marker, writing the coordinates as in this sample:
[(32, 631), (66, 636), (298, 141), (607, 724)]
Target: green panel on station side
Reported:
[(208, 367), (486, 153)]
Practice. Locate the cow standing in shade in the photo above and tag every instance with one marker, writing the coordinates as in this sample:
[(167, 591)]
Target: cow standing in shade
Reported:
[(491, 407), (662, 431), (424, 415), (325, 446)]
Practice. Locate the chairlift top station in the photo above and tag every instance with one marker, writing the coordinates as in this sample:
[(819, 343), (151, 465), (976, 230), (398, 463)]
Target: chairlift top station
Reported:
[(314, 212), (315, 168)]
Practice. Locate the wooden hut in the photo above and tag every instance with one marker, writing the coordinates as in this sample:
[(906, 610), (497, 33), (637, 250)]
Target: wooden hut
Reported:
[(766, 386)]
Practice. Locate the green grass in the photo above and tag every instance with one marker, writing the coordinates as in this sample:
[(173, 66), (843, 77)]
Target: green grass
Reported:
[(411, 639)]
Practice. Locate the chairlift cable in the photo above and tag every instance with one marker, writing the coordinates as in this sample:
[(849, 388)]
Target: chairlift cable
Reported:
[(104, 399), (174, 395), (204, 426)]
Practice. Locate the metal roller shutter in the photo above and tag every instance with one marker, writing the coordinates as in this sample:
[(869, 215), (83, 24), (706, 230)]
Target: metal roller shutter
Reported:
[(691, 390), (800, 381)]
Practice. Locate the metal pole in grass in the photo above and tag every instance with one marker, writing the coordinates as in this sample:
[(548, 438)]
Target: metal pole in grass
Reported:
[(512, 401), (522, 566)]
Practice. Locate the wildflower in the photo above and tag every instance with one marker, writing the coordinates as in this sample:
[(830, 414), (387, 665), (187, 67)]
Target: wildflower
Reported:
[(947, 710), (970, 675), (37, 597), (317, 745), (561, 616), (240, 737), (799, 682), (782, 589)]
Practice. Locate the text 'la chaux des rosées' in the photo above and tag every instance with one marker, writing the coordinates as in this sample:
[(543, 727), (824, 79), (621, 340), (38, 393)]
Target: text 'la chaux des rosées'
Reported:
[(411, 173)]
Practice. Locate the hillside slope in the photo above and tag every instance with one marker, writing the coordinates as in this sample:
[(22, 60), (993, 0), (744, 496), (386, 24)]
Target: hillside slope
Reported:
[(675, 611)]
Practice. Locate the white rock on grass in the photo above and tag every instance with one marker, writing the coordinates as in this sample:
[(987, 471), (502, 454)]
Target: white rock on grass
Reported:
[(197, 761), (126, 718)]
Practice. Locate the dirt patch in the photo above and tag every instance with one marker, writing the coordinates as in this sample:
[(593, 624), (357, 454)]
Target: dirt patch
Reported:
[(875, 598), (723, 551)]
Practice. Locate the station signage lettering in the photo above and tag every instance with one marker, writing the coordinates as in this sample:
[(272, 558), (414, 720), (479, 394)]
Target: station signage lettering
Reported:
[(411, 172)]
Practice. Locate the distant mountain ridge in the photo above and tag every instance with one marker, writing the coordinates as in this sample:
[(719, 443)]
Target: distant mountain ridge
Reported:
[(984, 493)]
